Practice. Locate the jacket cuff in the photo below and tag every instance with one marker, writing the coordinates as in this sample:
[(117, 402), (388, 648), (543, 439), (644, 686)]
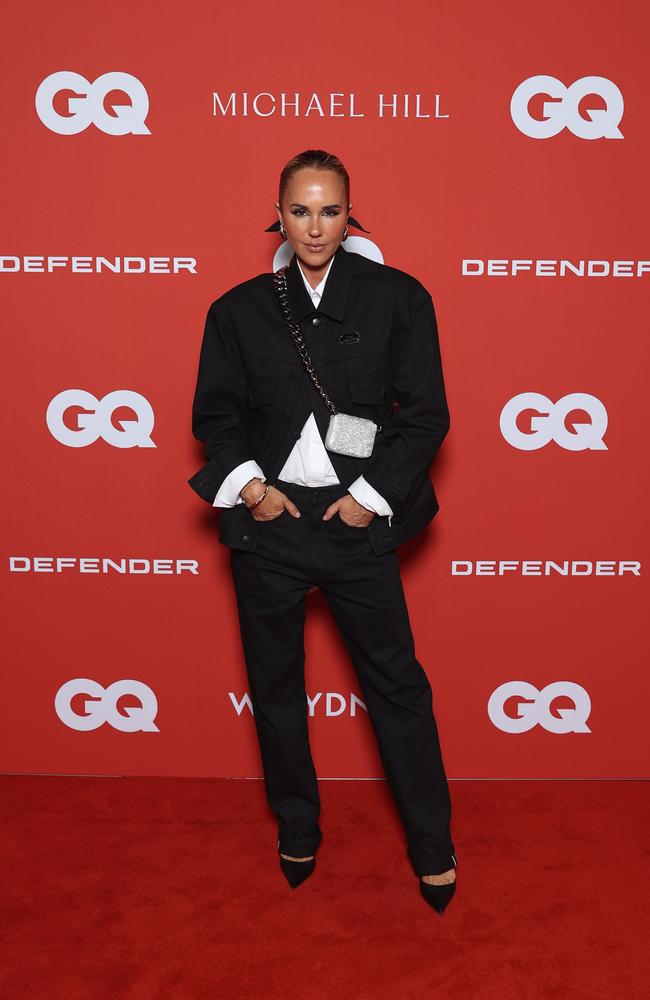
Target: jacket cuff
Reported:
[(392, 488), (204, 482)]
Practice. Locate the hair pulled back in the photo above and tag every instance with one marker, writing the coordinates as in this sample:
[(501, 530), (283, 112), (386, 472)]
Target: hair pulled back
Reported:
[(317, 159)]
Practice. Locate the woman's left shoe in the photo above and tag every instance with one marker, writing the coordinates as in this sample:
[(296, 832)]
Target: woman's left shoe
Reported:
[(296, 872), (438, 896)]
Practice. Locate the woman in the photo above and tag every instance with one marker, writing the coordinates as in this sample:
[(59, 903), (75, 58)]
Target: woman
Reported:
[(297, 515)]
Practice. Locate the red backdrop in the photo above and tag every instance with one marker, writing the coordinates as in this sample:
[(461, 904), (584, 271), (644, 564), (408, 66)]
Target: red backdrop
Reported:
[(507, 157)]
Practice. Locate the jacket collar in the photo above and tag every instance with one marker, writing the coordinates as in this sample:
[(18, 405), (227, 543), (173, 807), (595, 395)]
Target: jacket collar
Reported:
[(336, 288)]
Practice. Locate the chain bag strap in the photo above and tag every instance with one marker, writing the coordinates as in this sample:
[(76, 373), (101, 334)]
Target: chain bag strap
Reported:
[(346, 434)]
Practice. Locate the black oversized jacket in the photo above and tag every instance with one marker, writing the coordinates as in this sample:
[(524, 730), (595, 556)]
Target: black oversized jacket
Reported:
[(374, 343)]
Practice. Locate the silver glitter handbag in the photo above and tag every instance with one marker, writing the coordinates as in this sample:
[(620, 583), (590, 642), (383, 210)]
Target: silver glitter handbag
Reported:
[(346, 434)]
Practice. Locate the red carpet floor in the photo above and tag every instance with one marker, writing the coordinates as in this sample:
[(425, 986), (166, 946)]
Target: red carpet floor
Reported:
[(170, 889)]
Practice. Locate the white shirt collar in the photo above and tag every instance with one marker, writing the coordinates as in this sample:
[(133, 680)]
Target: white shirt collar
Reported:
[(317, 292)]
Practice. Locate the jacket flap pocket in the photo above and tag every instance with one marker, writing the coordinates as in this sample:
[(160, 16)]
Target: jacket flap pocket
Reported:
[(370, 388), (261, 391)]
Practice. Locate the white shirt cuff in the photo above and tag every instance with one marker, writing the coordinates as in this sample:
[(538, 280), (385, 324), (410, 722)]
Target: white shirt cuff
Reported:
[(228, 492), (367, 496)]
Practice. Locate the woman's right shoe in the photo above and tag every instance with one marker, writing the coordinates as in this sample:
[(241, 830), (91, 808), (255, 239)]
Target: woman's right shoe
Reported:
[(296, 872), (438, 896)]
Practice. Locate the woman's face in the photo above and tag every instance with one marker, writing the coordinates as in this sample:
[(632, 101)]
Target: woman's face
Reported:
[(315, 215)]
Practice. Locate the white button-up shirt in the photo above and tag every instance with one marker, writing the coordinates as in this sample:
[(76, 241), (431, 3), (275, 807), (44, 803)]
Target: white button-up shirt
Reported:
[(308, 463)]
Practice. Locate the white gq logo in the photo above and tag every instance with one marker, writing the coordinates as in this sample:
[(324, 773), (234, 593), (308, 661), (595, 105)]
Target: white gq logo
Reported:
[(535, 708), (562, 111), (97, 421), (550, 424), (86, 104), (101, 706)]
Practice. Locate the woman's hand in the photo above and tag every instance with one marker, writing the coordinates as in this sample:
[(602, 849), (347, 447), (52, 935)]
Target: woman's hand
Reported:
[(351, 513), (271, 506)]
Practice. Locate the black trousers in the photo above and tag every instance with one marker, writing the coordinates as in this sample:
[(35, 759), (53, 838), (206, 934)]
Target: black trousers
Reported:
[(365, 594)]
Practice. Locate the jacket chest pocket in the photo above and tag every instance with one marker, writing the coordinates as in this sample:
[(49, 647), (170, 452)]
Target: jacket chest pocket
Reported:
[(260, 408), (261, 391), (370, 390)]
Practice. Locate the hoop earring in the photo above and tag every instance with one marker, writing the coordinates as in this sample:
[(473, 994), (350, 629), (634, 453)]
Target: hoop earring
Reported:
[(345, 234), (282, 230)]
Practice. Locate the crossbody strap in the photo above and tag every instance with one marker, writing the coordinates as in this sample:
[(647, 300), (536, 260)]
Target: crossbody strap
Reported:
[(280, 280)]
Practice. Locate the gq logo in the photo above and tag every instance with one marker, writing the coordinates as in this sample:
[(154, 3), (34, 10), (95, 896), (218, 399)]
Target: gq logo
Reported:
[(550, 422), (97, 422), (562, 111), (101, 706), (535, 708), (84, 104)]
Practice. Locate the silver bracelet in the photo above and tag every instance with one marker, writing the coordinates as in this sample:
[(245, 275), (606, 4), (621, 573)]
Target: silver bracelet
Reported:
[(259, 499)]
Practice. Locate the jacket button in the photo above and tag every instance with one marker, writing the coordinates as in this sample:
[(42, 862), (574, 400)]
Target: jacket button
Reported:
[(245, 538), (316, 320)]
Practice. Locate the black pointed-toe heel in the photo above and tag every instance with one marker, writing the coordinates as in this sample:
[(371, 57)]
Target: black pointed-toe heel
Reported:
[(438, 896), (296, 872)]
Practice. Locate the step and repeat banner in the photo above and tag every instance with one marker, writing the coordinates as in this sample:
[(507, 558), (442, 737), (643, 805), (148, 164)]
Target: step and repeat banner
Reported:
[(500, 157)]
